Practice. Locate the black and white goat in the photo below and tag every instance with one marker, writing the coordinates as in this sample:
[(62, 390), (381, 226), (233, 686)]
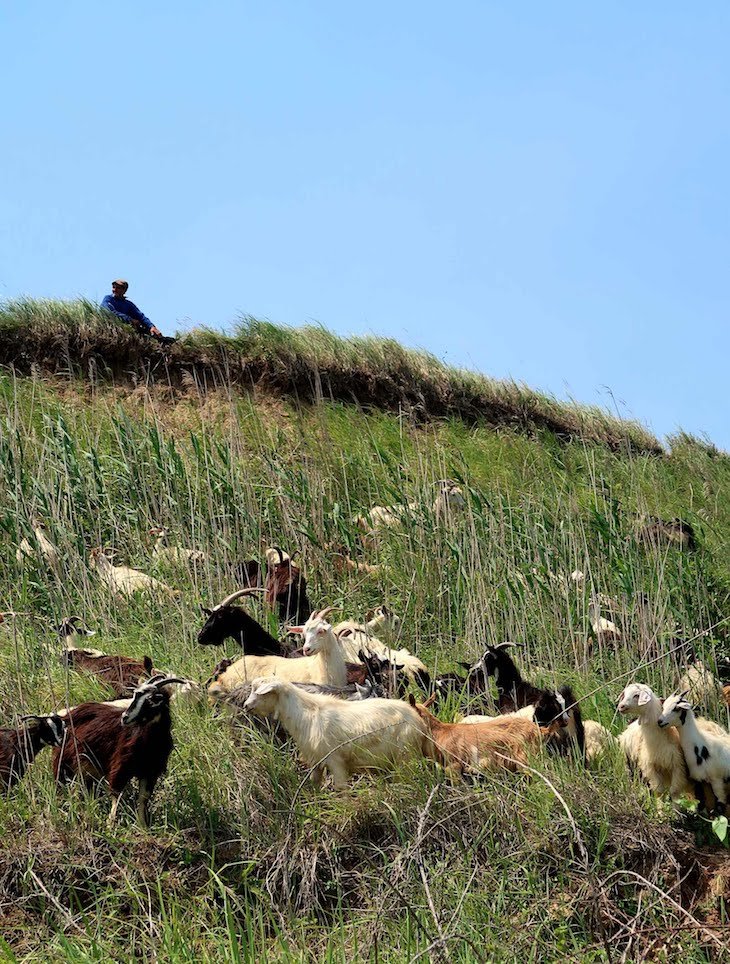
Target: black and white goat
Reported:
[(20, 745), (114, 744)]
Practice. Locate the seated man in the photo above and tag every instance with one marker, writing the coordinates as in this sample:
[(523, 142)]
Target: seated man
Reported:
[(128, 311)]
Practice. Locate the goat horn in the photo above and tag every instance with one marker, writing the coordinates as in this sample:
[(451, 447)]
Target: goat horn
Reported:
[(506, 643), (31, 716), (323, 613), (166, 681), (249, 591)]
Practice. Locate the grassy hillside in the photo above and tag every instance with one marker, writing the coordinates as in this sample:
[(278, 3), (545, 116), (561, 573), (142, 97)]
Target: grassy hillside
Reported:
[(305, 364), (245, 860)]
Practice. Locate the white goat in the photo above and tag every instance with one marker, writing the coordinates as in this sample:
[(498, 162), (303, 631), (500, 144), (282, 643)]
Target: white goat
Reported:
[(355, 637), (706, 749), (603, 629), (323, 660), (48, 552), (701, 686), (654, 751), (597, 740), (341, 737), (124, 581), (175, 555), (450, 498)]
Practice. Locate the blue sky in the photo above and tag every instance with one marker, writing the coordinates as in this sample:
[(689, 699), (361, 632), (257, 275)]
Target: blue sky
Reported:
[(534, 190)]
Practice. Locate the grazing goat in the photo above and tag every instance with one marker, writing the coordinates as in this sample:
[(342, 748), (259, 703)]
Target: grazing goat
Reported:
[(121, 673), (115, 744), (676, 532), (706, 750), (228, 621), (339, 736), (654, 751), (48, 552), (502, 743), (20, 745), (450, 498), (174, 555), (322, 662), (286, 587), (124, 581)]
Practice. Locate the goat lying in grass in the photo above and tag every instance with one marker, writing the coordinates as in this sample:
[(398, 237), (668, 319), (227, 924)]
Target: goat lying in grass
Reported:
[(124, 581), (502, 743), (341, 737), (323, 661), (122, 674), (449, 500)]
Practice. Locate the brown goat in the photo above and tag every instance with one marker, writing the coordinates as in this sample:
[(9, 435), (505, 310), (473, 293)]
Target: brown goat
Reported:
[(502, 743), (114, 744), (121, 673)]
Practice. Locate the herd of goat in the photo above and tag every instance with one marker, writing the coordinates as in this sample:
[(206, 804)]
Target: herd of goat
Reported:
[(346, 699)]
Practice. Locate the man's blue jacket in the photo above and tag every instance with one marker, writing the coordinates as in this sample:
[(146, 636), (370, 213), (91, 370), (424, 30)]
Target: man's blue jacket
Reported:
[(126, 310)]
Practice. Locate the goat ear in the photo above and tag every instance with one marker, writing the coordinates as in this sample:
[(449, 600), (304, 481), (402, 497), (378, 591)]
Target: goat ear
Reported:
[(466, 666), (644, 698), (263, 688), (206, 611), (148, 666), (298, 630), (412, 700), (431, 700)]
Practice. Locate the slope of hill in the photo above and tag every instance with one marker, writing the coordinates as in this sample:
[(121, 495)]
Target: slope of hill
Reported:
[(246, 861)]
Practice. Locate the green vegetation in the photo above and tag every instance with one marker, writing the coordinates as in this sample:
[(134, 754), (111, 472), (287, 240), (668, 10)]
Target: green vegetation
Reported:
[(307, 364), (245, 860)]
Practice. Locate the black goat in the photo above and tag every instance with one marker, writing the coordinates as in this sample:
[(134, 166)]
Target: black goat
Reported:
[(570, 737), (513, 692), (226, 620), (112, 744), (20, 745)]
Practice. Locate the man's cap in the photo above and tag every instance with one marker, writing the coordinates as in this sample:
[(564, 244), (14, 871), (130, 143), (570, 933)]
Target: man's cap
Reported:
[(121, 283)]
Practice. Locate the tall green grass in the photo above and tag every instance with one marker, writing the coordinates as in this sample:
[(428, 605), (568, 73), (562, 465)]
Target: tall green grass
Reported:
[(246, 861)]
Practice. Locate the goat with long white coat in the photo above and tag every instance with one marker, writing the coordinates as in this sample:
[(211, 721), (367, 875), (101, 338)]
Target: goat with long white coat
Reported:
[(450, 498), (323, 660), (341, 737), (174, 555), (656, 752), (357, 637), (124, 581), (47, 550), (706, 750)]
